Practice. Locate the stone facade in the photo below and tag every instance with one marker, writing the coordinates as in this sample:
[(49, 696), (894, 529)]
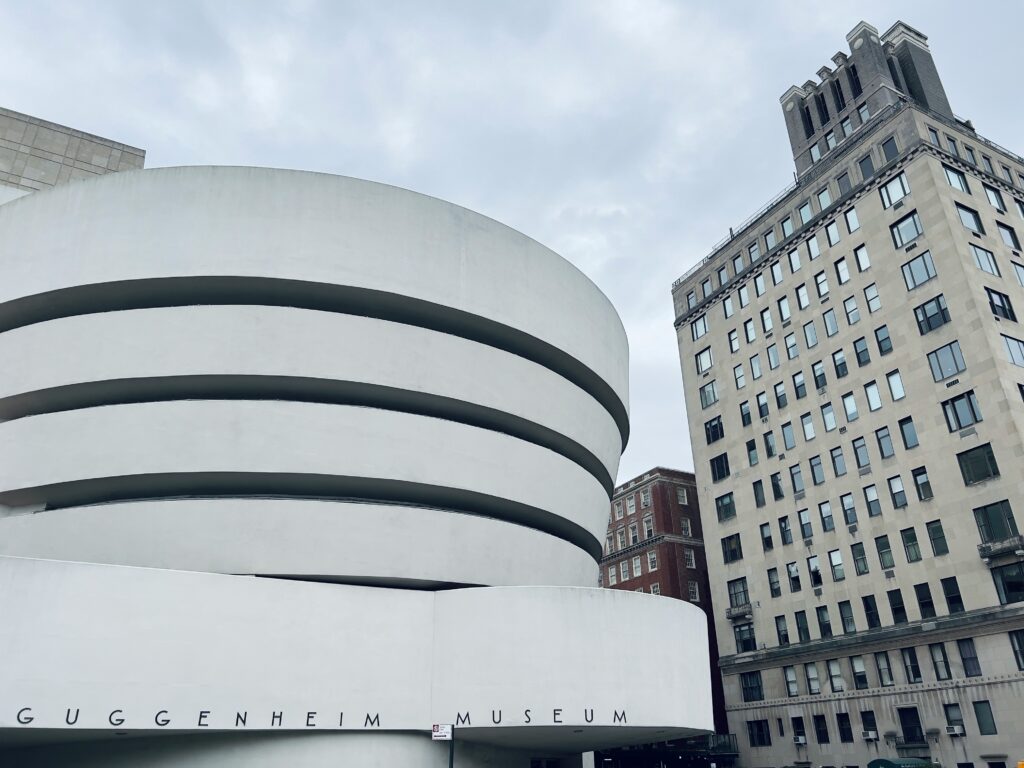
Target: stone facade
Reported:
[(858, 438), (36, 154)]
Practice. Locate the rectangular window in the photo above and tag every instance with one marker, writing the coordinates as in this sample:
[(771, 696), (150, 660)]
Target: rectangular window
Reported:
[(871, 499), (1009, 581), (788, 439), (838, 461), (766, 537), (731, 549), (703, 360), (802, 632), (843, 180), (978, 464), (781, 630), (831, 324), (739, 377), (719, 467), (796, 478), (983, 714), (849, 509), (824, 622), (860, 559), (850, 406), (835, 676), (872, 298), (861, 352), (792, 688), (832, 233), (1008, 235), (821, 284), (908, 432), (805, 213), (969, 657), (897, 492), (759, 733), (793, 572), (911, 667), (811, 677), (906, 230), (867, 168), (910, 545), (884, 552), (852, 223), (884, 441), (937, 537), (860, 453), (792, 350), (871, 612), (885, 678), (895, 382), (962, 411), (839, 363), (918, 270), (799, 385), (652, 561), (835, 560), (931, 315), (883, 340), (787, 227), (946, 361), (777, 492), (995, 521), (745, 417), (708, 394), (860, 673), (985, 259), (1000, 305), (750, 683), (802, 298), (759, 500), (1017, 644), (1014, 350), (894, 190), (951, 591), (922, 484), (824, 199), (808, 426), (940, 662), (863, 260), (970, 219), (956, 179), (873, 396), (852, 312), (725, 507), (774, 587)]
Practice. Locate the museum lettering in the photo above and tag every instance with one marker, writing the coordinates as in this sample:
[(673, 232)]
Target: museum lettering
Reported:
[(300, 719)]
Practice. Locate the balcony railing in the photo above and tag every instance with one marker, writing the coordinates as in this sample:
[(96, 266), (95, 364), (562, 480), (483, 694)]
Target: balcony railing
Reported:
[(742, 611), (1011, 545)]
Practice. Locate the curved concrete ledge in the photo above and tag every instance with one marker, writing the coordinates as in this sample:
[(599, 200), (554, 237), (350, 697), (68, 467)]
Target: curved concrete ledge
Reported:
[(259, 448), (388, 244), (413, 547), (246, 352), (194, 643)]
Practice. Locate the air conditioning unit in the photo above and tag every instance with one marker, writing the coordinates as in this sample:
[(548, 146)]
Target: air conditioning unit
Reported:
[(799, 740), (954, 730), (869, 735)]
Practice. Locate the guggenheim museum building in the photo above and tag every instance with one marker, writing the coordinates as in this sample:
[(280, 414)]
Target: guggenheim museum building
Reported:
[(294, 467)]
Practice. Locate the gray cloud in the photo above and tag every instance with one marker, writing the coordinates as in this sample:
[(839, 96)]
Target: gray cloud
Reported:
[(626, 135)]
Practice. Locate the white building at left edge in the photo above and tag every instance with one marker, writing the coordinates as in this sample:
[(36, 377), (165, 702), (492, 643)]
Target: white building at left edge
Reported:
[(294, 466)]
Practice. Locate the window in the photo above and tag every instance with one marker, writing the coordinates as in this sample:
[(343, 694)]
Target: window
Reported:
[(1000, 305), (889, 150), (978, 464), (759, 733), (788, 440), (859, 671), (969, 657), (648, 527), (738, 595), (831, 324), (766, 320), (956, 179), (699, 327), (773, 582), (752, 453), (884, 552), (703, 360), (815, 153), (860, 350), (1009, 581), (931, 315), (1009, 236), (911, 667), (884, 442), (806, 531), (755, 367), (745, 417), (987, 163), (777, 493), (817, 472), (951, 591), (811, 677), (871, 612), (951, 144), (1017, 644), (739, 377), (899, 610), (922, 484), (792, 688), (787, 227), (852, 312), (754, 251), (705, 288), (894, 190), (849, 510), (838, 461), (910, 545), (1015, 350), (860, 453), (832, 233), (872, 395), (946, 361), (802, 631), (796, 478), (818, 371), (842, 271), (769, 443), (835, 676), (983, 714), (805, 213), (908, 432), (719, 467), (985, 259), (637, 569), (874, 301), (824, 199), (850, 406), (970, 219), (867, 168), (692, 589), (792, 350), (918, 270), (769, 240), (708, 394), (725, 507), (839, 363), (793, 571), (863, 260), (995, 521), (883, 340), (773, 357), (860, 559), (885, 678), (731, 549), (835, 561), (759, 500), (766, 537), (737, 264), (634, 531), (937, 537), (802, 298), (690, 558), (713, 430), (897, 493), (871, 499), (750, 682), (852, 223), (799, 386), (613, 577), (940, 662), (906, 230), (727, 307), (784, 311), (821, 284), (745, 639), (895, 382)]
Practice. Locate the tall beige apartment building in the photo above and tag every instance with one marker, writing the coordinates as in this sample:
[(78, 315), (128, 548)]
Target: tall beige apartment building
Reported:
[(854, 369)]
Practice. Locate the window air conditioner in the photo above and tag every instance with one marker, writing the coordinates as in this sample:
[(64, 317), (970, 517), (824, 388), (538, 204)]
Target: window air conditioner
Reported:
[(869, 735), (954, 730), (799, 739)]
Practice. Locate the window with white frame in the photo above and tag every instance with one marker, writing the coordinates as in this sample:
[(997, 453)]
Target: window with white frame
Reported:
[(652, 560), (689, 558)]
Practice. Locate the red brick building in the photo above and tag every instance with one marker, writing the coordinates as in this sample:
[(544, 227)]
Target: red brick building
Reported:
[(655, 544)]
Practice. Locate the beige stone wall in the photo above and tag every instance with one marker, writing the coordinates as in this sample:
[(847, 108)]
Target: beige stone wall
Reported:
[(35, 154), (989, 373)]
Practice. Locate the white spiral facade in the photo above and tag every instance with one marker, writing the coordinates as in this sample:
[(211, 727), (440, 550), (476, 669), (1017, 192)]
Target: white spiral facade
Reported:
[(281, 443)]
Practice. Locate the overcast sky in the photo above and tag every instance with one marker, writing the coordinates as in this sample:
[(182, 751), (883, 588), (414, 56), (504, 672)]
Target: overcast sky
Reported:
[(628, 136)]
